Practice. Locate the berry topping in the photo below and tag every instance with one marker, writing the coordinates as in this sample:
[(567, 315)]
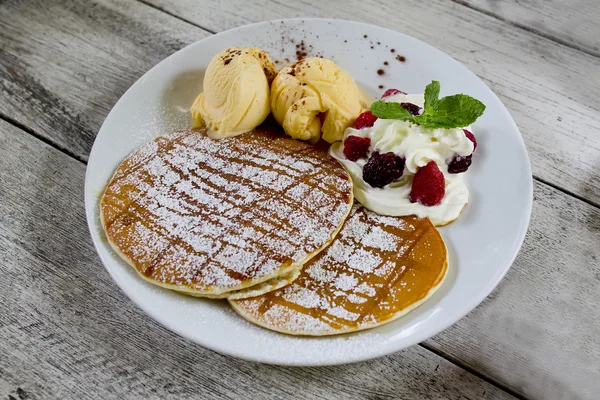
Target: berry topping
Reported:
[(365, 120), (391, 92), (356, 147), (459, 164), (428, 186), (412, 108), (382, 169), (471, 137), (462, 163)]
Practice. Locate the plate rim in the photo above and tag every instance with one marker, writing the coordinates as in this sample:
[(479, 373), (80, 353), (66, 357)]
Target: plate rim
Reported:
[(91, 204)]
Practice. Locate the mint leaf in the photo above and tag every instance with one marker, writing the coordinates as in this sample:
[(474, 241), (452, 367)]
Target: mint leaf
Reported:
[(451, 112), (454, 111), (391, 110), (432, 94)]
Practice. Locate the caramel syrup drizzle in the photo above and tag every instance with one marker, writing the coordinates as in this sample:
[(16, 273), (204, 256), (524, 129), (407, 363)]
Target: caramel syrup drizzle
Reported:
[(408, 239), (118, 197)]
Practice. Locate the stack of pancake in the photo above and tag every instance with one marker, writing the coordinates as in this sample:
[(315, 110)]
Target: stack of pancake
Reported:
[(255, 219)]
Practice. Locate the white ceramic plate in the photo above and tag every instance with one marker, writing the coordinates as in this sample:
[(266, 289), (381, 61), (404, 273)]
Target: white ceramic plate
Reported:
[(482, 243)]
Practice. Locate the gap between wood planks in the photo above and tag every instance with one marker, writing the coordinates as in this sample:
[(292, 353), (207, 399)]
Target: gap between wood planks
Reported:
[(176, 16), (451, 359), (49, 142), (459, 2), (66, 151), (439, 353), (464, 4), (525, 28), (472, 371)]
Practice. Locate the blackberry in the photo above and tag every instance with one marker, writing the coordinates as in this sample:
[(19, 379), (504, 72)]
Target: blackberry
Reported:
[(412, 108), (382, 169), (459, 164)]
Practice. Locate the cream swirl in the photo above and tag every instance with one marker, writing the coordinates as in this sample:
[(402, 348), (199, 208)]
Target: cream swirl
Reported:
[(418, 146)]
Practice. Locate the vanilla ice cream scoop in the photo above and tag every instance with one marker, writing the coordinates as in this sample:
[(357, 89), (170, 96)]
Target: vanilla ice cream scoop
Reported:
[(314, 96), (236, 92)]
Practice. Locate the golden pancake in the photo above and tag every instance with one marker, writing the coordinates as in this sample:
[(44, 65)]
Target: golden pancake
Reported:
[(377, 269), (261, 288), (210, 217)]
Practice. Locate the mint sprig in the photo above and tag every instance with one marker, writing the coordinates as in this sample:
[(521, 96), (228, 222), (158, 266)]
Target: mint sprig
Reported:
[(454, 111), (391, 110), (432, 95)]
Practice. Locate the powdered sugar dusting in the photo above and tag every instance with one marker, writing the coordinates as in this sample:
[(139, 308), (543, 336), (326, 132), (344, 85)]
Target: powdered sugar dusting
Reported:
[(376, 267), (213, 214)]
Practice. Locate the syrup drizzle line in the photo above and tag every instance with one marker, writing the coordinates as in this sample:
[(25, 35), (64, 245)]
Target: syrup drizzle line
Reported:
[(382, 286), (140, 214), (156, 228), (125, 169), (268, 193), (241, 148), (310, 179)]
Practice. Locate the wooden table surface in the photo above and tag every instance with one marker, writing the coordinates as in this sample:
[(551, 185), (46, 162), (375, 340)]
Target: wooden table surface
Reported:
[(67, 331)]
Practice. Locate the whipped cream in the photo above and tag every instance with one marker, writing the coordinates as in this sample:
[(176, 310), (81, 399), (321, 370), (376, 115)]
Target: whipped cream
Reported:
[(418, 146)]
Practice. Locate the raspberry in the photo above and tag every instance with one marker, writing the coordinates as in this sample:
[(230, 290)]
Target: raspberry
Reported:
[(471, 137), (412, 108), (382, 169), (365, 120), (459, 164), (356, 147), (391, 92), (428, 186)]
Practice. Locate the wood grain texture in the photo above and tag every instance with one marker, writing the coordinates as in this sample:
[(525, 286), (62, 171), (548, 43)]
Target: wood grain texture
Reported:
[(538, 331), (67, 332), (64, 64), (550, 89), (573, 22)]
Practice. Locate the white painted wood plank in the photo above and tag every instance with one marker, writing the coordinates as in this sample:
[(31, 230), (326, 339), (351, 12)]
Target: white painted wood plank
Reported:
[(64, 64), (575, 22), (550, 89), (510, 62), (68, 332), (538, 331)]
